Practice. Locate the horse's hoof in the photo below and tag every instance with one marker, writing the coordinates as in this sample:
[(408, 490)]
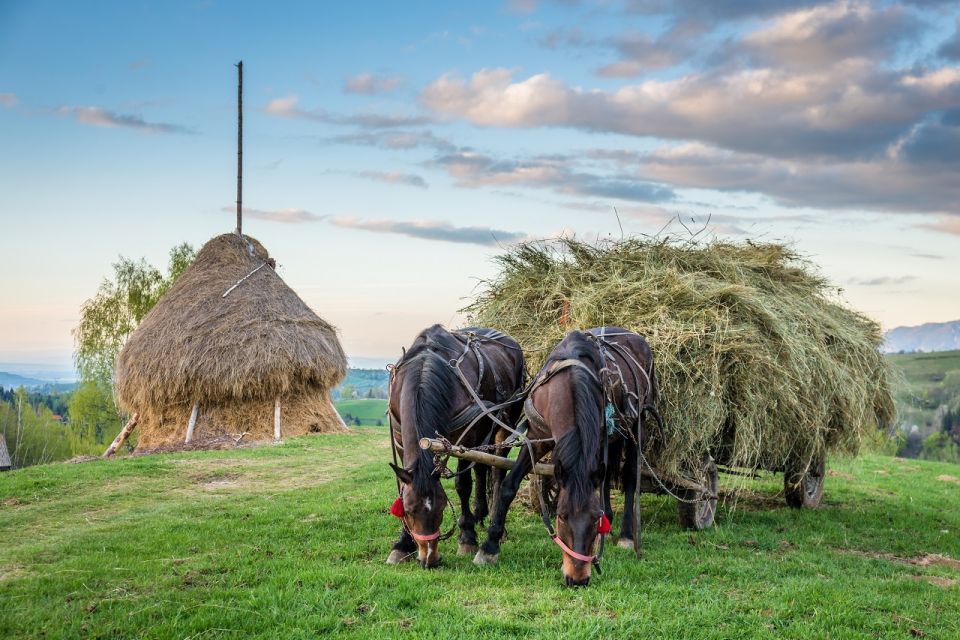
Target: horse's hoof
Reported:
[(396, 557), (625, 543), (483, 558), (467, 549)]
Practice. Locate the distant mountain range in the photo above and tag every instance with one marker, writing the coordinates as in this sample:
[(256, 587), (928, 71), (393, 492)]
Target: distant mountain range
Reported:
[(13, 381), (933, 336)]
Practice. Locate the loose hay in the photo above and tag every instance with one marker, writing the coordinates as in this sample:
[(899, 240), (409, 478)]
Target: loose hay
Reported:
[(758, 359)]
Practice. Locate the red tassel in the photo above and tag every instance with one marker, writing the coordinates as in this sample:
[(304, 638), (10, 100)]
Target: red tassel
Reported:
[(396, 509), (604, 527)]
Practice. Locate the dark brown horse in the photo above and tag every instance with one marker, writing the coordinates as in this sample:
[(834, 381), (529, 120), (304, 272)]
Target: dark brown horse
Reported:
[(590, 393), (429, 398)]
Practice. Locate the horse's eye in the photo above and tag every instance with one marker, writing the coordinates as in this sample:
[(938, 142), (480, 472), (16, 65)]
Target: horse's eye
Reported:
[(561, 517)]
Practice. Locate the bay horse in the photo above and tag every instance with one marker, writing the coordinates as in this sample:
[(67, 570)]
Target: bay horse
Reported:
[(594, 390), (429, 397)]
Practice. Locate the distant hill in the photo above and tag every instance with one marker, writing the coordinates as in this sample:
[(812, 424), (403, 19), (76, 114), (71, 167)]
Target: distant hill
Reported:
[(363, 380), (933, 336), (14, 381)]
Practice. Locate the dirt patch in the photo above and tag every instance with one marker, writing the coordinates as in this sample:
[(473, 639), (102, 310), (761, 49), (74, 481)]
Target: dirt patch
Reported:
[(833, 473), (12, 572), (947, 478), (751, 500), (937, 581), (936, 559), (11, 502), (925, 560)]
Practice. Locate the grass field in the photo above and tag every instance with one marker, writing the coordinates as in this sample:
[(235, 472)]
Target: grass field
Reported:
[(925, 373), (288, 541), (368, 411)]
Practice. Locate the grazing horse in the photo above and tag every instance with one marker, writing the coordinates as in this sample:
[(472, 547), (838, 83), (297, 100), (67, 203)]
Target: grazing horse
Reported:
[(591, 392), (429, 397)]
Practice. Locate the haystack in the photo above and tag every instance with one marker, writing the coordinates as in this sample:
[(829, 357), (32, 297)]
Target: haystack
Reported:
[(758, 358), (233, 340)]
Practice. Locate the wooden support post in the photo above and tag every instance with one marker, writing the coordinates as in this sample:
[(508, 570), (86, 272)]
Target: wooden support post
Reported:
[(336, 413), (276, 420), (193, 422), (122, 436)]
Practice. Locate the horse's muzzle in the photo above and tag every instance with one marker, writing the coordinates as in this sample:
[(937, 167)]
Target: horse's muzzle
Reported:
[(576, 583)]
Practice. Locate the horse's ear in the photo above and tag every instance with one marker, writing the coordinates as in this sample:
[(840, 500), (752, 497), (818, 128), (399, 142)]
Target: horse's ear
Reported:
[(402, 473), (598, 475)]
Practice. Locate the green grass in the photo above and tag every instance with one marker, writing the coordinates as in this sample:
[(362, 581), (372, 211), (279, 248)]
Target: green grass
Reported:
[(289, 541), (926, 382), (369, 411)]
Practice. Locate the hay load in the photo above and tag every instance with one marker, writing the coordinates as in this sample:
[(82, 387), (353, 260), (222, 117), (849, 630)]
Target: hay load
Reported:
[(757, 357), (236, 357)]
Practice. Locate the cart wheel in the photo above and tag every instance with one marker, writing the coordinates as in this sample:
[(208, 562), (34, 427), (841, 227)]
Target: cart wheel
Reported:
[(699, 514), (803, 485), (547, 487)]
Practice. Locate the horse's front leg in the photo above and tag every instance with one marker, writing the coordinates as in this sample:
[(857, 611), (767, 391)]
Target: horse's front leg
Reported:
[(489, 552), (468, 533), (403, 549)]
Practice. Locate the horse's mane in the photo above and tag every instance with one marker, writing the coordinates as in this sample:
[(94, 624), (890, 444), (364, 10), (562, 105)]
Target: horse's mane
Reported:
[(426, 367), (577, 450)]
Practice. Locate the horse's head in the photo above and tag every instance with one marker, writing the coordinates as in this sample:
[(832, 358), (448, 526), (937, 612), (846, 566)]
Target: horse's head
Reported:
[(420, 506), (580, 521)]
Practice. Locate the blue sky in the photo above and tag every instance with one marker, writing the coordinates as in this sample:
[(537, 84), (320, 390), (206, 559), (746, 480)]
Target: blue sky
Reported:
[(392, 148)]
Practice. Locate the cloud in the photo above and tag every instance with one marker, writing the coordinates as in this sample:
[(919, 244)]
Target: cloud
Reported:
[(372, 83), (850, 109), (98, 117), (824, 35), (433, 230), (395, 140), (886, 184), (472, 169), (881, 281), (637, 52), (950, 49), (946, 224), (288, 107), (287, 216), (9, 100), (392, 177), (716, 9), (521, 7)]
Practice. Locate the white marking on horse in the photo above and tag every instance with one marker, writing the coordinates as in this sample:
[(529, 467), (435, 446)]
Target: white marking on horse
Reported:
[(427, 504)]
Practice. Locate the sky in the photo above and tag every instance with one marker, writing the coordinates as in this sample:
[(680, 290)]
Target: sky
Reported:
[(393, 150)]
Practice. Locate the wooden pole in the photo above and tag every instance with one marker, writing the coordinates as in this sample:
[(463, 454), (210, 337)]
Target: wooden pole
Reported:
[(276, 420), (122, 436), (458, 451), (239, 66), (482, 457), (193, 422)]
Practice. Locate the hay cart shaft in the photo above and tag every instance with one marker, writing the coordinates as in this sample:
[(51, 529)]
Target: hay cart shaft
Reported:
[(482, 457)]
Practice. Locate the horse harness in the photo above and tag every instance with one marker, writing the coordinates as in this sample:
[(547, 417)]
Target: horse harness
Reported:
[(607, 384), (465, 419)]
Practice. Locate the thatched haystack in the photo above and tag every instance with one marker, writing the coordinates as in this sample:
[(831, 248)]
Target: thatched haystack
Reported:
[(234, 355), (756, 354)]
